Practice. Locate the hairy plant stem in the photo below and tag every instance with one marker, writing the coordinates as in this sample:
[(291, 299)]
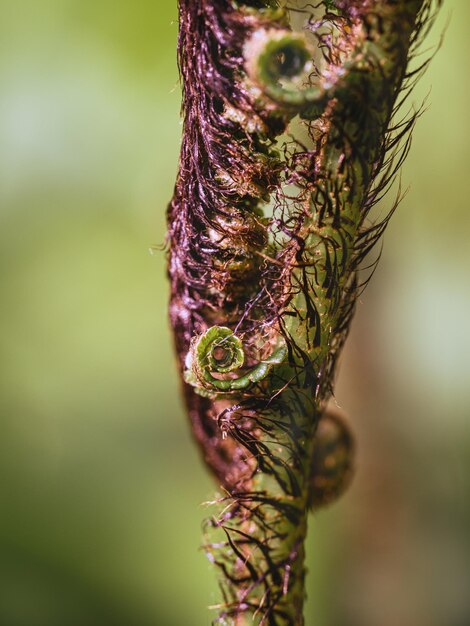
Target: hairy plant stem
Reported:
[(262, 306)]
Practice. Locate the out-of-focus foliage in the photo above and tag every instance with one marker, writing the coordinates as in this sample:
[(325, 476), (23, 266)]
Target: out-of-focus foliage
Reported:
[(101, 486)]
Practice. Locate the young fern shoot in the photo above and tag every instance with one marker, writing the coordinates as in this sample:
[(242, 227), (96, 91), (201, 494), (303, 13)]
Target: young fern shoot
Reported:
[(267, 236)]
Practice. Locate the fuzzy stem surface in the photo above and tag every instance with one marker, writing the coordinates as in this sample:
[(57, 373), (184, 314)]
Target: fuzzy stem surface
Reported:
[(261, 303)]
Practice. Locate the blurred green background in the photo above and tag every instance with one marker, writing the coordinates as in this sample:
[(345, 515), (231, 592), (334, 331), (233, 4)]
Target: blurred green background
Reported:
[(101, 486)]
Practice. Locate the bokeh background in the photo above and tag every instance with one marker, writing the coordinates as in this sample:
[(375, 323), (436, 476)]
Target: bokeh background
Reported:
[(101, 487)]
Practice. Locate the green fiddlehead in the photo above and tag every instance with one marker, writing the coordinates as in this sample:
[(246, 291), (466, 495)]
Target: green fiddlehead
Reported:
[(217, 354), (332, 464), (279, 63)]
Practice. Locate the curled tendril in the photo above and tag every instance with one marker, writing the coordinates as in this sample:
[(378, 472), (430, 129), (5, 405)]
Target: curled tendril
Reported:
[(220, 352), (279, 63)]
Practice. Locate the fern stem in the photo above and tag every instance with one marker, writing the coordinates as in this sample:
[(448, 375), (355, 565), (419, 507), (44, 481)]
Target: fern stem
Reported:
[(261, 305)]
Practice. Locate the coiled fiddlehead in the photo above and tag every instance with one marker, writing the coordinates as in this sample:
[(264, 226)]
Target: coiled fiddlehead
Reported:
[(332, 465), (220, 352), (279, 63)]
